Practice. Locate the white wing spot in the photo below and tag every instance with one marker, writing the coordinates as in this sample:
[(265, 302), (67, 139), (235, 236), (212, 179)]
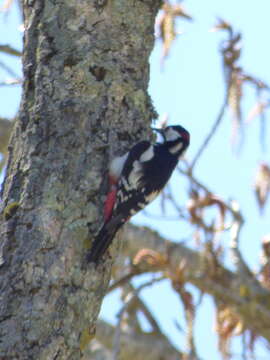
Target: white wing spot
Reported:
[(141, 205), (135, 176), (147, 154)]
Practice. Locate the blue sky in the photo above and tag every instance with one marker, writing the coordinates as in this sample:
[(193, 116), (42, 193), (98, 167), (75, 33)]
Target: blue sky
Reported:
[(190, 89)]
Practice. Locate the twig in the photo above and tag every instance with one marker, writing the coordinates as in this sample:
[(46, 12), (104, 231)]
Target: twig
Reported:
[(211, 133), (236, 227), (123, 280), (11, 82), (192, 178), (147, 313), (207, 191), (127, 302), (8, 69), (174, 203), (10, 50)]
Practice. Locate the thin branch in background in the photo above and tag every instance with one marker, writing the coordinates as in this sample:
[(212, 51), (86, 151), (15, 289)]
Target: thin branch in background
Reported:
[(171, 198), (263, 131), (259, 109), (130, 297), (237, 258), (9, 50), (264, 272), (235, 226), (231, 53), (244, 346), (178, 283), (235, 78), (261, 106), (200, 185), (263, 128), (10, 82), (211, 133), (8, 69), (147, 313), (123, 280)]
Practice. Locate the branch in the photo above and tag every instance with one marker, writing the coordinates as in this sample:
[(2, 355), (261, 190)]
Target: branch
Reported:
[(137, 346), (235, 228), (248, 298), (211, 133), (130, 298), (10, 50), (234, 244), (8, 69), (11, 82)]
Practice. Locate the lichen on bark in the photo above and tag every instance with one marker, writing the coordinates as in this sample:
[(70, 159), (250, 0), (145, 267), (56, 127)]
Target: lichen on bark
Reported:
[(84, 100)]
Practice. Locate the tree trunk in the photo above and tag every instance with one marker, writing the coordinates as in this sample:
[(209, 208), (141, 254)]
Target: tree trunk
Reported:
[(84, 100)]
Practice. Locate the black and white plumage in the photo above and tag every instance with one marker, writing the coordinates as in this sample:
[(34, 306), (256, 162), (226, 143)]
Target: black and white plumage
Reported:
[(136, 179)]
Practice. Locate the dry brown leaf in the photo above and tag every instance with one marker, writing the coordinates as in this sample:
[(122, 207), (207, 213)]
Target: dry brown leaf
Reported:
[(6, 5), (235, 95), (266, 245), (166, 27), (150, 257), (262, 185), (265, 262), (257, 110), (195, 206), (228, 324), (221, 25)]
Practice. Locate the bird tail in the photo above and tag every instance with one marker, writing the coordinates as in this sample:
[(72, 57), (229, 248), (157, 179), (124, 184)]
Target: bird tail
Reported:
[(103, 240)]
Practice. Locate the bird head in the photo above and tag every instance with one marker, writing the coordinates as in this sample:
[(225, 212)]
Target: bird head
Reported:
[(176, 138)]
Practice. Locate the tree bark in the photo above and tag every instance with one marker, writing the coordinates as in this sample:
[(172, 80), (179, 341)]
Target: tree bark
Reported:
[(84, 100)]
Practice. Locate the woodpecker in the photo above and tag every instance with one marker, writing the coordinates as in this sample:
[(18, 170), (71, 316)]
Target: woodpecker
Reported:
[(136, 179)]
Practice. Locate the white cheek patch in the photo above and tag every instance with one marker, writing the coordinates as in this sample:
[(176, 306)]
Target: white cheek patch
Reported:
[(176, 148), (148, 154), (171, 135), (117, 165)]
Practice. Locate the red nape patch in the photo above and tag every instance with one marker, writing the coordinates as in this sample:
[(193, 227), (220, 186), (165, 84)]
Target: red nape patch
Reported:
[(109, 204)]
